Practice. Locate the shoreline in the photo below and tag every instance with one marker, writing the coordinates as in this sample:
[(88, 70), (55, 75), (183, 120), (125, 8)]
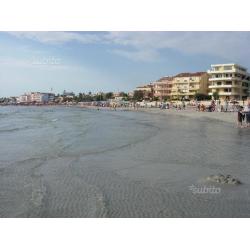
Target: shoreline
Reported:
[(228, 117)]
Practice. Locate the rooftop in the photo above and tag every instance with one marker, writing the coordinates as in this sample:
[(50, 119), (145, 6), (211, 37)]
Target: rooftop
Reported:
[(186, 74), (169, 78), (228, 64)]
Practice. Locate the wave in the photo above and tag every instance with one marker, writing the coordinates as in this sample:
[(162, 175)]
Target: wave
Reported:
[(14, 129)]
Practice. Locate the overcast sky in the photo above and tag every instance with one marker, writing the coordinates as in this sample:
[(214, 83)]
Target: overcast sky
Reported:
[(110, 61)]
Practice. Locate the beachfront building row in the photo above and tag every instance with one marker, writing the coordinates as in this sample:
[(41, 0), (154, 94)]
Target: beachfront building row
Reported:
[(225, 81), (181, 86), (36, 97)]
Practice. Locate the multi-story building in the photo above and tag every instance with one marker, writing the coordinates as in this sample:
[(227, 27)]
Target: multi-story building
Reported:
[(25, 98), (148, 91), (186, 85), (229, 81), (163, 87), (21, 99), (36, 97), (69, 95), (51, 97)]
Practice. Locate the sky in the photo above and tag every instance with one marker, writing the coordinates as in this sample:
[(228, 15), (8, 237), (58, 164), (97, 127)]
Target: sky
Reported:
[(110, 61)]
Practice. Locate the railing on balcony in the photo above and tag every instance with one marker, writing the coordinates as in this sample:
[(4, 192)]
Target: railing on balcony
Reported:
[(224, 86)]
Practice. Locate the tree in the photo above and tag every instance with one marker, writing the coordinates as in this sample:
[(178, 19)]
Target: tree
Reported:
[(166, 98), (123, 94), (80, 97), (109, 95), (99, 98), (201, 97), (138, 95), (156, 98), (216, 95)]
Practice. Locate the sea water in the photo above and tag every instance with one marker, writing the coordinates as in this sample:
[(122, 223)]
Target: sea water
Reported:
[(75, 162)]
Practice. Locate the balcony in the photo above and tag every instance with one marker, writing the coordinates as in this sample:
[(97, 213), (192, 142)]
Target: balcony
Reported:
[(222, 93), (223, 86), (194, 87), (213, 71), (230, 78), (235, 70)]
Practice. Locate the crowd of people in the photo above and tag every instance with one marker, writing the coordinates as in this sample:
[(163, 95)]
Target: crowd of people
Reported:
[(217, 106), (243, 111)]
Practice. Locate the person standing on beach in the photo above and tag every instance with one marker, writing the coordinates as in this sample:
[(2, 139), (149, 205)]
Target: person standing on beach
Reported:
[(247, 112), (241, 116), (183, 104), (199, 107), (213, 106), (226, 105)]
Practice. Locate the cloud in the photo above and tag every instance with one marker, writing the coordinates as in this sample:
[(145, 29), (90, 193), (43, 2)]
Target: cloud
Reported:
[(138, 55), (56, 37), (146, 46), (228, 45)]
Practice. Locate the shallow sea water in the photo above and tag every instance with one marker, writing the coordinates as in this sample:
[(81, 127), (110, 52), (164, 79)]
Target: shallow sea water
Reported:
[(72, 162)]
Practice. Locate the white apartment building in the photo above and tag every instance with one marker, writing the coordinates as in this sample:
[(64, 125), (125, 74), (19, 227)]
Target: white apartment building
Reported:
[(36, 97), (230, 81), (25, 98)]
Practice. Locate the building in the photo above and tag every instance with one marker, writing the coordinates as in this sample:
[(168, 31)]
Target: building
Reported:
[(186, 85), (229, 81), (148, 91), (25, 98), (69, 95), (51, 97), (36, 97), (117, 94), (163, 87)]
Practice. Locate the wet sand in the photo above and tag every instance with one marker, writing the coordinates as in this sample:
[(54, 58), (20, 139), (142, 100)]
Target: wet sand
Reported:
[(230, 117)]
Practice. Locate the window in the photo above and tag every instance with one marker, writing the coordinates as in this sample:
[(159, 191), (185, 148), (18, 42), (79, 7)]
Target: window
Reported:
[(227, 67)]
